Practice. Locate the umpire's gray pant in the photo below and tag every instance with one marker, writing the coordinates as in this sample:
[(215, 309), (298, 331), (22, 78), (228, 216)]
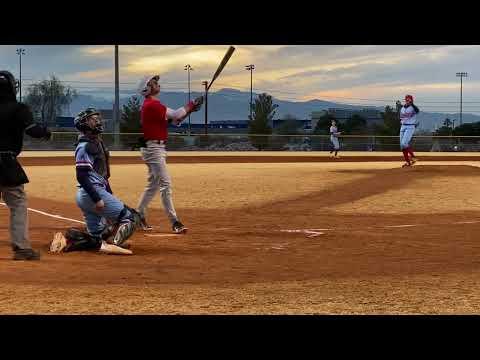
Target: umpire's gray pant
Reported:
[(155, 156), (16, 200)]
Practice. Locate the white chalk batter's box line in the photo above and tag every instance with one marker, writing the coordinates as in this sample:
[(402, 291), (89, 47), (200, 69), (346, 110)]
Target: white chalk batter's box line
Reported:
[(50, 215), (309, 232), (317, 232)]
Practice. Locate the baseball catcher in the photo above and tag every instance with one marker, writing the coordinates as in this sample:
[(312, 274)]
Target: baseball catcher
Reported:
[(109, 222)]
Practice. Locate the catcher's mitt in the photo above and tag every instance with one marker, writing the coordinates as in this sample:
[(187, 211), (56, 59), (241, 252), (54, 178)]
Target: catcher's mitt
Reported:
[(58, 243)]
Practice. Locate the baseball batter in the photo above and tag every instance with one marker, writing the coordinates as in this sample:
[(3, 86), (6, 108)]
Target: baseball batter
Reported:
[(334, 138), (408, 120), (155, 118), (105, 215)]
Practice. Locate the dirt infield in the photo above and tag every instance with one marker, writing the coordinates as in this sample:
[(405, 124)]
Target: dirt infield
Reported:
[(290, 238)]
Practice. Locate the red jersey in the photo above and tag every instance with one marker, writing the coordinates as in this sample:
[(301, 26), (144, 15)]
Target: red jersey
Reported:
[(154, 120)]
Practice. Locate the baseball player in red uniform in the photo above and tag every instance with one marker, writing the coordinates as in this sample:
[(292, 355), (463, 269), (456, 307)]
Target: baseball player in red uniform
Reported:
[(155, 118)]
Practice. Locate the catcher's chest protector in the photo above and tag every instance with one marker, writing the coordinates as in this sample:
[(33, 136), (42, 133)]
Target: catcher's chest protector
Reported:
[(100, 154)]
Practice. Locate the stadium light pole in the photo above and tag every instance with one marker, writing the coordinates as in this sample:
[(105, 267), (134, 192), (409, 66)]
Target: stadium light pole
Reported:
[(250, 68), (461, 75), (205, 83), (188, 68), (116, 115), (20, 52)]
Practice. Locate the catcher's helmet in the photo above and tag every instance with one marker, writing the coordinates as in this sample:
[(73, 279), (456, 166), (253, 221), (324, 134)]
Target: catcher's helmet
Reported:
[(80, 121), (143, 88), (8, 81)]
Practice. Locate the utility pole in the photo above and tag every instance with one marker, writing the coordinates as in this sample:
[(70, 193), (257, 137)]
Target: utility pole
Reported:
[(205, 83), (116, 110), (188, 68), (251, 67), (461, 75), (20, 52)]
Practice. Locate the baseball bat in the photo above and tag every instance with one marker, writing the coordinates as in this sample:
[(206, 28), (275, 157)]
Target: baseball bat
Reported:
[(225, 59)]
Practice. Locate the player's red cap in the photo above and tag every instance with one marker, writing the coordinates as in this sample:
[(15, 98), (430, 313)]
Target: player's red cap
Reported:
[(409, 97)]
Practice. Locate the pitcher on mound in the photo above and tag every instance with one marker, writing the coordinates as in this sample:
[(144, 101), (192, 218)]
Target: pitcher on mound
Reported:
[(408, 120)]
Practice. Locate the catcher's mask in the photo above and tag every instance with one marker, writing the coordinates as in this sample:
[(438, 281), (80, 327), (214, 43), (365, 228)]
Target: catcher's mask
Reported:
[(81, 124)]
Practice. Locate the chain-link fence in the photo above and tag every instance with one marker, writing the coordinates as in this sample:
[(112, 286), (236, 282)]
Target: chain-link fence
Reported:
[(246, 142)]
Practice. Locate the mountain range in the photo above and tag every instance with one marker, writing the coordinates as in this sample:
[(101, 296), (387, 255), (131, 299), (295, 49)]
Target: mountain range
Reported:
[(232, 104)]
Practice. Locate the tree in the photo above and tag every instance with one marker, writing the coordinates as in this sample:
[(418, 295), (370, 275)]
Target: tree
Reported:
[(323, 128), (467, 129), (48, 98), (389, 127), (262, 115), (131, 116), (355, 125), (323, 124), (391, 121), (289, 126), (444, 131), (398, 106)]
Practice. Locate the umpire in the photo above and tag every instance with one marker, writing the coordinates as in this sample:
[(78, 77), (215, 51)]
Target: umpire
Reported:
[(15, 119)]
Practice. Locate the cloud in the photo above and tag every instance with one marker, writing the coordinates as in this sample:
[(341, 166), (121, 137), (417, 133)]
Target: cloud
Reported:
[(289, 72)]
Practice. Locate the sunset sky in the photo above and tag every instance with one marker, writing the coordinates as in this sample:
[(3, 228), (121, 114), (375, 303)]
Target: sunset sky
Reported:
[(370, 75)]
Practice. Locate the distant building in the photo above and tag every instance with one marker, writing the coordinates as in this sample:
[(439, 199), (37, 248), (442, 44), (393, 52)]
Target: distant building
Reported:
[(229, 124), (225, 126), (372, 116), (304, 124), (64, 123)]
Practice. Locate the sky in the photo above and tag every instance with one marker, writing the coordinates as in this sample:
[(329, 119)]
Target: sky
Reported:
[(357, 74)]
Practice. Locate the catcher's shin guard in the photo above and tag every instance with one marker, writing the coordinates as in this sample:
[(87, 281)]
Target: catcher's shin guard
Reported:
[(124, 231), (78, 240), (129, 220), (135, 216)]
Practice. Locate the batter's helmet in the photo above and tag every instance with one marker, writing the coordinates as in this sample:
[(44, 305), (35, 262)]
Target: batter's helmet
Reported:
[(143, 88), (80, 121)]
